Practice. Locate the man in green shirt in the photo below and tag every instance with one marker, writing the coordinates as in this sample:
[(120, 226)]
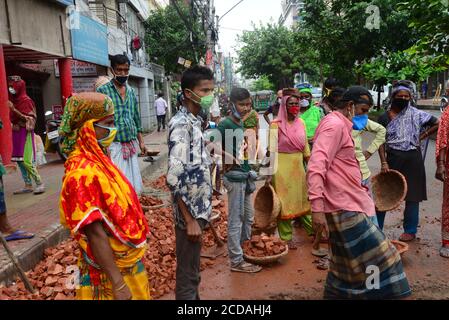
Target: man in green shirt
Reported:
[(237, 180), (127, 120)]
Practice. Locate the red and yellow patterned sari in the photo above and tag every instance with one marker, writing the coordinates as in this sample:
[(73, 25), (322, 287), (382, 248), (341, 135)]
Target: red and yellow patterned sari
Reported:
[(95, 190)]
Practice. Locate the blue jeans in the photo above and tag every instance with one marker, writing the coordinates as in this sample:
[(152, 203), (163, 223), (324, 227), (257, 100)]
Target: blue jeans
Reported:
[(240, 219), (367, 183), (411, 217)]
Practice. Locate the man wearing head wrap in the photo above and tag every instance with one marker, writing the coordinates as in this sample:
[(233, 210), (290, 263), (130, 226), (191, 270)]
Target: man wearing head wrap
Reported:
[(23, 119), (402, 152)]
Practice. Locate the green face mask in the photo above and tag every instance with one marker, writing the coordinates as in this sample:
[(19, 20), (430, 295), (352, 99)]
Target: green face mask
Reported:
[(205, 102)]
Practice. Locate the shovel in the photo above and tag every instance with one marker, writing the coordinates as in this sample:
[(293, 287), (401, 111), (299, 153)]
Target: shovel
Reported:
[(218, 249), (13, 258)]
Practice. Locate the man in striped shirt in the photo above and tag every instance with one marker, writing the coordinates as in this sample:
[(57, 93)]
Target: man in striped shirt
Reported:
[(127, 120)]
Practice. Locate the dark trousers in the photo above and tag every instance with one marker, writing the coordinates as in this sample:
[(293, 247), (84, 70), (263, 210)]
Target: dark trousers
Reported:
[(187, 265), (160, 122), (411, 217)]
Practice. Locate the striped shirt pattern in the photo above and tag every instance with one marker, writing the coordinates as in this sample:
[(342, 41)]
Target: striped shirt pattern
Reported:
[(126, 112)]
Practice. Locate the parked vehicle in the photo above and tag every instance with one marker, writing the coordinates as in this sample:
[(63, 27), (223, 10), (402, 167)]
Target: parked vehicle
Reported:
[(317, 93), (52, 138), (262, 99), (384, 93)]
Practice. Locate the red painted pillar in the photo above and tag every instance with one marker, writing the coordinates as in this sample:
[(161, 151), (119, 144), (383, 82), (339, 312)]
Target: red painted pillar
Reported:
[(65, 72), (5, 133)]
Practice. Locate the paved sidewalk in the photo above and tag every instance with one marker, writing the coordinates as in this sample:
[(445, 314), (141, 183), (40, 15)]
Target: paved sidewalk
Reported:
[(40, 213)]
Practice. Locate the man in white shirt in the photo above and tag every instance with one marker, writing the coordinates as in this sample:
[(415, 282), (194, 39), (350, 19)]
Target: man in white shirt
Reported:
[(161, 110)]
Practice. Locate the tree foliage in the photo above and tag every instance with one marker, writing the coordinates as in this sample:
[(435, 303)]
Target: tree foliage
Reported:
[(167, 37), (344, 32), (430, 18), (263, 83), (398, 65), (271, 50)]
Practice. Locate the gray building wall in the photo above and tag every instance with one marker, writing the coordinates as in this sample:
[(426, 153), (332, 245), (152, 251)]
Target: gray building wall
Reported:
[(44, 30)]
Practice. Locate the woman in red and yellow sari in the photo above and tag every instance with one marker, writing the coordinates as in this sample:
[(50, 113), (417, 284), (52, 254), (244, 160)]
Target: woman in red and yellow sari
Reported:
[(99, 205)]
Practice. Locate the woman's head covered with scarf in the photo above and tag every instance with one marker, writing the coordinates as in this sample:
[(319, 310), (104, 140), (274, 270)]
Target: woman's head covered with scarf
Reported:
[(81, 110), (400, 97), (295, 130), (18, 96), (94, 189), (305, 94)]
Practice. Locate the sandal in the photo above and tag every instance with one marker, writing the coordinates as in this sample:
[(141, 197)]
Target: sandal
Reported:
[(291, 245), (39, 189), (19, 235), (320, 252), (322, 263), (407, 237), (444, 252), (246, 267), (23, 191)]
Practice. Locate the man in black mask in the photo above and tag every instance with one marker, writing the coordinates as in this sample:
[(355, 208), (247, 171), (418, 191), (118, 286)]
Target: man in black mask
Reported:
[(127, 120)]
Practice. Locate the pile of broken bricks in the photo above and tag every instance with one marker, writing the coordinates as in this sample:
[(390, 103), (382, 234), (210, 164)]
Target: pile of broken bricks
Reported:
[(264, 246), (51, 276)]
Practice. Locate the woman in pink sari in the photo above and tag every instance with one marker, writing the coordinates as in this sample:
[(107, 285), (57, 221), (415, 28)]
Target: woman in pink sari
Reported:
[(289, 147)]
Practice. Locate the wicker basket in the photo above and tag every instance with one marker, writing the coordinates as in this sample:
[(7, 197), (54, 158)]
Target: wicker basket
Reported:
[(402, 247), (266, 207), (267, 259), (389, 190), (269, 230)]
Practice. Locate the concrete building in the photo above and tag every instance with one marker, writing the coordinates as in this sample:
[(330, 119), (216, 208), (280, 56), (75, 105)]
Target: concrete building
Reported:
[(126, 35), (32, 32), (291, 12), (156, 4), (64, 45)]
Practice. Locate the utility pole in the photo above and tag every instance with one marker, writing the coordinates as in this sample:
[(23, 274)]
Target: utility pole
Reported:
[(210, 24)]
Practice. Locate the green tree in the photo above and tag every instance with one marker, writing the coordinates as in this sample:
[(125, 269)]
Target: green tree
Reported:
[(430, 19), (345, 32), (167, 37), (263, 83), (271, 50)]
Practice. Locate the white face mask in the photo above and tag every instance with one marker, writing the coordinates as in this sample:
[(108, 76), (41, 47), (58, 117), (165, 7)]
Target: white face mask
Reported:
[(11, 90), (304, 103)]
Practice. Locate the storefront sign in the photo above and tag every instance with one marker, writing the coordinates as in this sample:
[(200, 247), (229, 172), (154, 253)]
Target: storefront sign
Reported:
[(57, 110), (90, 41), (83, 84), (79, 68)]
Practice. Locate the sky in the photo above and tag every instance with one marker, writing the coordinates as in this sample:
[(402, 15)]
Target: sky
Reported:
[(240, 18)]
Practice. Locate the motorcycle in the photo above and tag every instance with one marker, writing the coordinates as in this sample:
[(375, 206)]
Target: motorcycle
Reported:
[(52, 138)]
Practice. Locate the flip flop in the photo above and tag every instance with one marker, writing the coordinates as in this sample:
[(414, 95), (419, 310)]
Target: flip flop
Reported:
[(23, 191), (148, 159), (444, 252), (320, 252), (19, 235), (407, 237)]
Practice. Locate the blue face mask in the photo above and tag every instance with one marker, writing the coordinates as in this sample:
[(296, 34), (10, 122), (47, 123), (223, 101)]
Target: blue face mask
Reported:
[(359, 122), (234, 111)]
